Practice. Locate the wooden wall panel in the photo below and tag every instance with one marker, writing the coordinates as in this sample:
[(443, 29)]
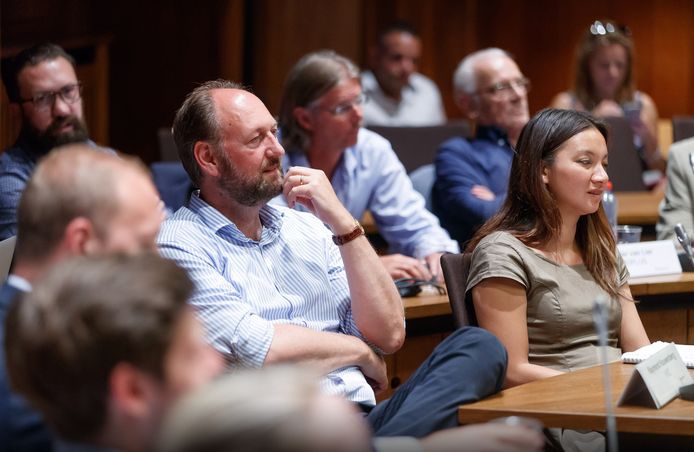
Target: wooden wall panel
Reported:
[(158, 54), (448, 29), (285, 30)]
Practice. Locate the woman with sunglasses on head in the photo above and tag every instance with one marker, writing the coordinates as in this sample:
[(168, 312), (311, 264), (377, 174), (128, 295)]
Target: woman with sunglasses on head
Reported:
[(539, 264), (604, 85)]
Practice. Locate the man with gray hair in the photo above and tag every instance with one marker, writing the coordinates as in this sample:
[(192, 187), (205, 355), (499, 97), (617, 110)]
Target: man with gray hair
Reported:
[(472, 174), (320, 116)]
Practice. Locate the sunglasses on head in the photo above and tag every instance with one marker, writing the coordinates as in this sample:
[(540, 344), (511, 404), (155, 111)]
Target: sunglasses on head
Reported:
[(600, 28)]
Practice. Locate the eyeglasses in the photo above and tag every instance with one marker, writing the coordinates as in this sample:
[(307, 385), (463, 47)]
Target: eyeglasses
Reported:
[(506, 89), (599, 28), (69, 93), (345, 107)]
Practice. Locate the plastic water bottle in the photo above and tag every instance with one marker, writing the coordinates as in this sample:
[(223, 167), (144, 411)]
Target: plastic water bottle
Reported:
[(609, 203)]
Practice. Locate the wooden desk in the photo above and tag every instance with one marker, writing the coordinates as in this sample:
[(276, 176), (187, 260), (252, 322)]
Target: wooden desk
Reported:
[(666, 306), (639, 207), (679, 284), (368, 223), (426, 305), (576, 400), (661, 290)]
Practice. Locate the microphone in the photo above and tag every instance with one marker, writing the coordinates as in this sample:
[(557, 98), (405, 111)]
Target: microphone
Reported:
[(685, 241), (600, 308)]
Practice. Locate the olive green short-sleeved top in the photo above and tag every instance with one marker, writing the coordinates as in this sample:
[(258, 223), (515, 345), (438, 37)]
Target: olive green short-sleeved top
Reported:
[(561, 333)]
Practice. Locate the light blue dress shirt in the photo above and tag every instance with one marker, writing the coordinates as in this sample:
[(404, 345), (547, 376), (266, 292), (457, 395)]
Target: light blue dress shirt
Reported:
[(293, 275), (370, 177)]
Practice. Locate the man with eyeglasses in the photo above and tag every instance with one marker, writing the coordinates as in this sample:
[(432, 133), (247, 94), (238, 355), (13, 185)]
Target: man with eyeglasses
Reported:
[(44, 91), (321, 116), (472, 174)]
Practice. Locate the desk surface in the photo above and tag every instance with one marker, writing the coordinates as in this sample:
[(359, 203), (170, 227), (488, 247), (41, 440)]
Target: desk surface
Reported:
[(429, 304), (576, 400), (662, 285), (426, 305), (639, 207)]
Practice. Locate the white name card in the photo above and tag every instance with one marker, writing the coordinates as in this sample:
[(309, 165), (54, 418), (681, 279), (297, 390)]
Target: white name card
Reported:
[(657, 380), (650, 258)]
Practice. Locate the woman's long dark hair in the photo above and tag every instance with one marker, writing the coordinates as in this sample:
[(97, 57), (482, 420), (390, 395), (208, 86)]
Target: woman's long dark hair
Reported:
[(530, 212)]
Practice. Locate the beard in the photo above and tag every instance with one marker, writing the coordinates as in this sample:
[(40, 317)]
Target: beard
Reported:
[(51, 137), (250, 190)]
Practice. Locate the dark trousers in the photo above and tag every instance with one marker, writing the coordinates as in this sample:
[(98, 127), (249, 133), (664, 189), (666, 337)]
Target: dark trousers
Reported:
[(468, 365)]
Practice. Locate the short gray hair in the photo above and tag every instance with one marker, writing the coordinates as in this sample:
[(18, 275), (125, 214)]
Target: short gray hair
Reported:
[(312, 76), (464, 77)]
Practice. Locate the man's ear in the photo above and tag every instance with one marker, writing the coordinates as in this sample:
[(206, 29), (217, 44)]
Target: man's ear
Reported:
[(303, 118), (131, 391), (469, 104), (206, 156), (80, 237)]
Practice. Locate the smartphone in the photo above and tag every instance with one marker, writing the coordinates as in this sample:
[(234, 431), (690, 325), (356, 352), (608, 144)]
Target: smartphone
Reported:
[(632, 110)]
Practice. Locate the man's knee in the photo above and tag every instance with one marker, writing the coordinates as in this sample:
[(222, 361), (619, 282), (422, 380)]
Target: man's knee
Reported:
[(479, 343)]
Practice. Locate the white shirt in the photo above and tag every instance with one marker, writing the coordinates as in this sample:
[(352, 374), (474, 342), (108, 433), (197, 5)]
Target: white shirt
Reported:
[(420, 103)]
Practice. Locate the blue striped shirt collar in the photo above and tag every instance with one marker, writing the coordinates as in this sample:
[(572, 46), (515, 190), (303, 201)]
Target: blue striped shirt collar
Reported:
[(270, 217)]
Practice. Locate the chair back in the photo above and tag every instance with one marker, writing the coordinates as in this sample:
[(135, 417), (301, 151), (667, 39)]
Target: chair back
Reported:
[(423, 181), (172, 182), (625, 168), (6, 255), (682, 127), (416, 146), (456, 268)]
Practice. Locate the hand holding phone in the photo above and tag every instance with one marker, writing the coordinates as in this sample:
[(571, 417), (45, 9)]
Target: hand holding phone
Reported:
[(632, 111)]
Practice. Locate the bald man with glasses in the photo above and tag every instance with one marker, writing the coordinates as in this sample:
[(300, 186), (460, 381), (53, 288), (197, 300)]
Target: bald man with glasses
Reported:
[(472, 174), (45, 94)]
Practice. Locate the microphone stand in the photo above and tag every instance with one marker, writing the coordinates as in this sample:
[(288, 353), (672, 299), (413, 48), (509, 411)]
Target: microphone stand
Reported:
[(685, 241), (600, 320)]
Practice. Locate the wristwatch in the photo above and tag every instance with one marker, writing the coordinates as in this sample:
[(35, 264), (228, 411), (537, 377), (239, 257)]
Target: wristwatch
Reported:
[(346, 238)]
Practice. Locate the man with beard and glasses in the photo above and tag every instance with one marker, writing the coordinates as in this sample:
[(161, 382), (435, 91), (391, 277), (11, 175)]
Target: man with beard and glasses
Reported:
[(275, 285), (44, 91)]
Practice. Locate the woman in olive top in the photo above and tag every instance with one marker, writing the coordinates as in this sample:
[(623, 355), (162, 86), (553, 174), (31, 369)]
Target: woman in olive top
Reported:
[(540, 262)]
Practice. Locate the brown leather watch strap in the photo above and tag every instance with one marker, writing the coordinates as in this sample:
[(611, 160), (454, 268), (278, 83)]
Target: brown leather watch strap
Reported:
[(346, 238)]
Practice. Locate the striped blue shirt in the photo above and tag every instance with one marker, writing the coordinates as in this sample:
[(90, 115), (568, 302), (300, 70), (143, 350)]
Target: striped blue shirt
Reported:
[(293, 275)]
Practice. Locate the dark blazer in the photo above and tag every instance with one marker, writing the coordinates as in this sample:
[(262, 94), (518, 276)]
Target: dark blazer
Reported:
[(21, 427)]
